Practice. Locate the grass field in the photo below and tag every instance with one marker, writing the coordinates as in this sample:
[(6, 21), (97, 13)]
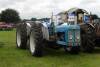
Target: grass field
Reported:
[(10, 56)]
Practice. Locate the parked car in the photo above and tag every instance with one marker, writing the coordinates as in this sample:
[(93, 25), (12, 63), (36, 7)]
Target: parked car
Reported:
[(5, 26)]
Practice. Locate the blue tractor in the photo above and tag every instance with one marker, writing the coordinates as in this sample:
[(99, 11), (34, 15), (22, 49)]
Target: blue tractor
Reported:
[(89, 27), (36, 35)]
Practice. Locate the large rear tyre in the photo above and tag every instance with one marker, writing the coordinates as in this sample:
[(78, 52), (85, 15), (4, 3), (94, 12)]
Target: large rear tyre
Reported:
[(88, 38), (21, 36), (36, 40)]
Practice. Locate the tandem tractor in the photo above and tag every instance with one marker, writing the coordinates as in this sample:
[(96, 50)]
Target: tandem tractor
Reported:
[(73, 30), (36, 35)]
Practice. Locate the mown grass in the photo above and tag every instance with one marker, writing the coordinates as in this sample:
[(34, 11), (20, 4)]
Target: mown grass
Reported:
[(10, 56)]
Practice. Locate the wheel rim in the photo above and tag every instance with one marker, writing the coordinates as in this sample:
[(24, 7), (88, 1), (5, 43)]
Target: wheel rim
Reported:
[(18, 38), (32, 43)]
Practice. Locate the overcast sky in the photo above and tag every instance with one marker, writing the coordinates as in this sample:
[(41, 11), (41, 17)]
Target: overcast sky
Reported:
[(44, 8)]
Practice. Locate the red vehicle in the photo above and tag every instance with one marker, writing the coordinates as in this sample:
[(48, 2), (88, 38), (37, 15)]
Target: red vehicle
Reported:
[(5, 26)]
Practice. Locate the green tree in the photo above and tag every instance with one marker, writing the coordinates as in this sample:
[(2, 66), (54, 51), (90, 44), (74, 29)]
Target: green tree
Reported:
[(10, 16), (44, 19), (33, 19)]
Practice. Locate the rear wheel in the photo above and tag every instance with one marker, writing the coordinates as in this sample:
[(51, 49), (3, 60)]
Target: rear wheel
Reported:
[(21, 36), (36, 40), (88, 38)]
